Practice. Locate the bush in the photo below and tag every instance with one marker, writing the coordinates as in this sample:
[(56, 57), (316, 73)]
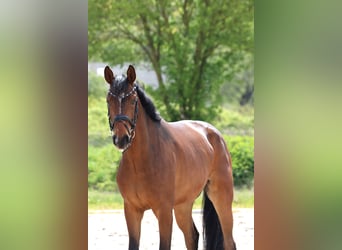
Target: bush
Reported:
[(235, 122), (242, 152), (102, 167)]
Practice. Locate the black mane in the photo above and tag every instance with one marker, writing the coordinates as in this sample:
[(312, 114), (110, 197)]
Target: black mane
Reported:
[(148, 105)]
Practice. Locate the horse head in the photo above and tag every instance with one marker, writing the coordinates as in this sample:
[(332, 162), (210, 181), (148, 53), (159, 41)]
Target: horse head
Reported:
[(122, 102)]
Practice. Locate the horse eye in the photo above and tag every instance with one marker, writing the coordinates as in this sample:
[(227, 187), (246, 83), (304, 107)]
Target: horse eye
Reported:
[(132, 102)]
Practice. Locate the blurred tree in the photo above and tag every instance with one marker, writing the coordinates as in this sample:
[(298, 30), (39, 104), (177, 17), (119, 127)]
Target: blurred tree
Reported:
[(238, 88), (193, 46)]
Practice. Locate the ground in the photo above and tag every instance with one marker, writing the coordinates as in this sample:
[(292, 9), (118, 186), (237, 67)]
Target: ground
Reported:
[(107, 230)]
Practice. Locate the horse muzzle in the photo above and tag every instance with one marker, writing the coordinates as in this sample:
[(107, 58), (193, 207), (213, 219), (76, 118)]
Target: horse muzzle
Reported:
[(122, 142), (123, 123)]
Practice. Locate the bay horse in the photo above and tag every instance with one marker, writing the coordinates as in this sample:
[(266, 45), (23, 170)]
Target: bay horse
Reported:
[(166, 165)]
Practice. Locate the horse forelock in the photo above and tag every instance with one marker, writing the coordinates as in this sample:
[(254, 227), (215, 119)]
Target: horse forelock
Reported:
[(119, 85)]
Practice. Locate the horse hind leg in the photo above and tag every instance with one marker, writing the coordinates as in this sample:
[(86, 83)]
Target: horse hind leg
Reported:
[(183, 214), (221, 196)]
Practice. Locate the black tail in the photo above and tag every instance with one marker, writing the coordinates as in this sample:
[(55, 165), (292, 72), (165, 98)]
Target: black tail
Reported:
[(213, 237)]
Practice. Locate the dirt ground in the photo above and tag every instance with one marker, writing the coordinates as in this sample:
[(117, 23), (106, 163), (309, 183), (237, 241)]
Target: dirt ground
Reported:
[(107, 230)]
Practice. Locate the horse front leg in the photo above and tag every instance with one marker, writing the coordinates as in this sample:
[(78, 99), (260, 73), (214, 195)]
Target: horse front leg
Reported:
[(133, 220), (164, 216)]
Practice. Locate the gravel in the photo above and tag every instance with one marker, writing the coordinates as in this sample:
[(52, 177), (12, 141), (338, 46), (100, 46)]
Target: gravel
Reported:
[(107, 230)]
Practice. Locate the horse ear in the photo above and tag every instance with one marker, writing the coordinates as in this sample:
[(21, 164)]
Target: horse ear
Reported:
[(108, 75), (131, 74)]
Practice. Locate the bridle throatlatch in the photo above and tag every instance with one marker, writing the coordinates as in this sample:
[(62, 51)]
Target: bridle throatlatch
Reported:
[(124, 118)]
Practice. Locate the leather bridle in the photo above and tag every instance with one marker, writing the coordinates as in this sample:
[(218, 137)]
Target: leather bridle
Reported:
[(124, 118)]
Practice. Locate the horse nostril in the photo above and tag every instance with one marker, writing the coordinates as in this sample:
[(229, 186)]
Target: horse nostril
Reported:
[(115, 140), (125, 140)]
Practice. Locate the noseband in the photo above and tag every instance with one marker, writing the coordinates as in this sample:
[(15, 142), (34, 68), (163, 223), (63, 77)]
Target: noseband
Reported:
[(124, 118)]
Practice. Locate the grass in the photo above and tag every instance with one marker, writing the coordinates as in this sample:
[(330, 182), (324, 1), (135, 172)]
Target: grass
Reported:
[(104, 200), (243, 198)]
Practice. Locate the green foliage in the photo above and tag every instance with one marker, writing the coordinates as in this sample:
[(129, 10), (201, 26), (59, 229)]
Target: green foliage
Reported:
[(242, 152), (96, 85), (238, 79), (233, 121), (193, 47), (103, 158), (102, 166)]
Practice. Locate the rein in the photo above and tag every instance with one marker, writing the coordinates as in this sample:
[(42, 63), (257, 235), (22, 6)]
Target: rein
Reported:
[(124, 118)]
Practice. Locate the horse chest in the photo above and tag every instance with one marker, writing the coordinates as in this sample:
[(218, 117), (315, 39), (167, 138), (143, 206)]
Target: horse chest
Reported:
[(138, 185)]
